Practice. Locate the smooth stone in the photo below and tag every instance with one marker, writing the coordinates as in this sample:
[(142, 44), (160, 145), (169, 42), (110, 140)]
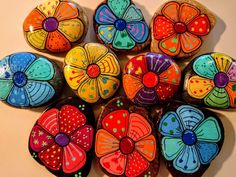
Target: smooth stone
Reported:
[(29, 80)]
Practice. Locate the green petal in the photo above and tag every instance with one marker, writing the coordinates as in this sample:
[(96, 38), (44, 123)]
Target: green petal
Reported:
[(118, 7), (5, 88), (123, 41), (218, 97)]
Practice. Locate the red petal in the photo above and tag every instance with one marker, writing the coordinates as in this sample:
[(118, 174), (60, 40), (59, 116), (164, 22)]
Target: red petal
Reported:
[(163, 27), (34, 21), (65, 11), (172, 75), (166, 91)]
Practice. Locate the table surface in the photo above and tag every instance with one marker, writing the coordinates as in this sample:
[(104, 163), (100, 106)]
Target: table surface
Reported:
[(16, 124)]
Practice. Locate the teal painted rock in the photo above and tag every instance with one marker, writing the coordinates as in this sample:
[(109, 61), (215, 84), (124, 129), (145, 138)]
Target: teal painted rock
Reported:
[(29, 80)]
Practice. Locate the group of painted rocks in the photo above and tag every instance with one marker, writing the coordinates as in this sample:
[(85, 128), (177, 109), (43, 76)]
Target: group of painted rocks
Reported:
[(132, 132)]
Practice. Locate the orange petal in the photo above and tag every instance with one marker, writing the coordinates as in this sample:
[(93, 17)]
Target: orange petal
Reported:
[(190, 42), (171, 11), (231, 89), (65, 11), (33, 21), (172, 75), (200, 26), (170, 45), (188, 12)]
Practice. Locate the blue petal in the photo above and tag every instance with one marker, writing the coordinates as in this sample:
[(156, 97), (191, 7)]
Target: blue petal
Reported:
[(39, 92), (106, 33), (104, 15), (5, 71), (170, 125), (139, 31), (18, 97), (190, 116), (21, 61), (207, 151)]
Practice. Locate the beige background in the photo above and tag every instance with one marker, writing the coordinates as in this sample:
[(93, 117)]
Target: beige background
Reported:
[(16, 124)]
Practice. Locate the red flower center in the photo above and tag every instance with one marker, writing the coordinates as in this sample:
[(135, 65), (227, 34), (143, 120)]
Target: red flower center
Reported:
[(127, 145), (180, 27), (93, 70), (150, 79)]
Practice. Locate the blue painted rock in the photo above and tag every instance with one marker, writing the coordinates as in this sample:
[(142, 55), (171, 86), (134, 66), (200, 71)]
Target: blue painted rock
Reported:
[(62, 138), (191, 138), (29, 80)]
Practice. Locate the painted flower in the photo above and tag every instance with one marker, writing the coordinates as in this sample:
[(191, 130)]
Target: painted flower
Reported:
[(125, 144), (121, 24), (54, 25), (189, 139), (92, 72), (180, 28), (61, 138), (151, 79), (24, 80), (215, 80)]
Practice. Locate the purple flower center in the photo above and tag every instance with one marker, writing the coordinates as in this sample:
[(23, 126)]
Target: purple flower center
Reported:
[(120, 24), (50, 24), (221, 80), (62, 139), (20, 79)]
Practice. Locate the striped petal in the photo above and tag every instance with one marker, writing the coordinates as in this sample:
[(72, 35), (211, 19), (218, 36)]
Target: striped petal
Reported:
[(139, 31), (146, 96), (37, 38), (104, 15), (224, 62)]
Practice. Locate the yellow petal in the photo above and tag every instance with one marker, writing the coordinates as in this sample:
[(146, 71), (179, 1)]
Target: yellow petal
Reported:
[(37, 38), (95, 52), (223, 61)]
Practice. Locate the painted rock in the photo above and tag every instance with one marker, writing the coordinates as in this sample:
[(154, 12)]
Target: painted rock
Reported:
[(62, 138), (210, 80), (29, 80), (55, 26), (125, 142), (191, 138), (180, 27), (151, 79), (92, 71), (121, 26)]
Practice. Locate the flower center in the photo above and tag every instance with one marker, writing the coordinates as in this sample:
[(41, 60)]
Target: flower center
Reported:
[(50, 24), (189, 137), (150, 79), (180, 27), (93, 70), (221, 80), (127, 145), (120, 24), (62, 139), (20, 79)]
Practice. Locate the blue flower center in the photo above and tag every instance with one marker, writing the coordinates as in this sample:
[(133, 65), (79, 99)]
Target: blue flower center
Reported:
[(189, 137), (120, 24), (20, 79)]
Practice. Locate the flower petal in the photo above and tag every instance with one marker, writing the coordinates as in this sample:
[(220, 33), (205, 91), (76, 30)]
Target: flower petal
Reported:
[(171, 147), (106, 33), (218, 97), (171, 11), (37, 38), (190, 116), (170, 45), (231, 73), (187, 161), (147, 147), (5, 88), (74, 76), (109, 65), (205, 66), (118, 7), (18, 97), (33, 21), (104, 16), (123, 41), (107, 86), (231, 90), (146, 96), (223, 62), (188, 12), (114, 163), (172, 75), (72, 29), (139, 127), (166, 91), (51, 157), (190, 42), (83, 137), (5, 70), (74, 158), (133, 14), (163, 27), (49, 7), (136, 164), (200, 25), (56, 42), (39, 92), (209, 130), (199, 87), (65, 11), (105, 143), (71, 119), (117, 123), (139, 31), (39, 139), (49, 121), (207, 151), (88, 91)]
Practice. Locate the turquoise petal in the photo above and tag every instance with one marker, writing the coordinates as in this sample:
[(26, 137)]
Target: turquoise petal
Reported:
[(118, 7), (171, 147), (41, 70), (190, 116), (133, 14), (205, 66), (5, 71), (5, 88), (207, 151), (123, 41), (18, 97), (106, 33)]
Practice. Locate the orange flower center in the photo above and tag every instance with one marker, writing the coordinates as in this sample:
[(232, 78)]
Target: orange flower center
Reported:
[(127, 145), (150, 79), (93, 70), (180, 27)]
